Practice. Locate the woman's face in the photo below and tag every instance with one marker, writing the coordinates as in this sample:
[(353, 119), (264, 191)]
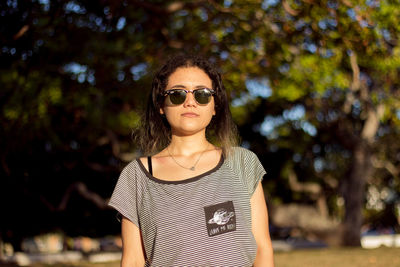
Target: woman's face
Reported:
[(189, 117)]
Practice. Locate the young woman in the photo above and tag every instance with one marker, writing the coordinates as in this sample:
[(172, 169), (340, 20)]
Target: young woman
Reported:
[(197, 200)]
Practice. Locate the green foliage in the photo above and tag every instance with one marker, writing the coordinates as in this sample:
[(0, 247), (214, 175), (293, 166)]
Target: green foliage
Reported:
[(75, 76)]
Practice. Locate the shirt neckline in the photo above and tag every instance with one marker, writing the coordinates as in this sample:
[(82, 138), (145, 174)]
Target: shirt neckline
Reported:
[(184, 181)]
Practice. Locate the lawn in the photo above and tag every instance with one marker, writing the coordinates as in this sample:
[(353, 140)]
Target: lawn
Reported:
[(343, 257), (331, 257)]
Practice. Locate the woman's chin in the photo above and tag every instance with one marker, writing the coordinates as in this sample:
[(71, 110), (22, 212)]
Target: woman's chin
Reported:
[(186, 131)]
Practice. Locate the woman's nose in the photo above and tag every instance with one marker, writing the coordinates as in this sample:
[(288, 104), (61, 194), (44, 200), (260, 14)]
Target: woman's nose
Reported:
[(190, 101)]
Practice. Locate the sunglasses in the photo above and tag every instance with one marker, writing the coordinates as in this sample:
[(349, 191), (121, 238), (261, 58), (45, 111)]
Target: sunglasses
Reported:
[(178, 96)]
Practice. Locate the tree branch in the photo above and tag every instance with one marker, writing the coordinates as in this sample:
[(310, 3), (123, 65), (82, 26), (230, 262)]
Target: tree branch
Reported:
[(347, 3), (5, 165), (295, 185), (288, 9), (170, 8), (83, 191), (372, 123), (355, 84), (21, 32), (387, 165)]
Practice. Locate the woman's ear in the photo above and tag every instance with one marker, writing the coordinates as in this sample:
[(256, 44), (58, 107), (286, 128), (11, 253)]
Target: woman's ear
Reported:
[(161, 111)]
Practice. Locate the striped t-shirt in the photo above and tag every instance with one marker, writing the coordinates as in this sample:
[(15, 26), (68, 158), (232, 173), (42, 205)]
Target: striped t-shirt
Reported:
[(200, 221)]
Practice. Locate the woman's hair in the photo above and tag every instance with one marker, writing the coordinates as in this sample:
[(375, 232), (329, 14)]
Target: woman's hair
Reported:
[(155, 133)]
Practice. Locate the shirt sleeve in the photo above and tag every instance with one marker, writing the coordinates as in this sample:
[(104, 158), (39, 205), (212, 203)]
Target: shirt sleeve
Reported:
[(124, 197), (252, 170)]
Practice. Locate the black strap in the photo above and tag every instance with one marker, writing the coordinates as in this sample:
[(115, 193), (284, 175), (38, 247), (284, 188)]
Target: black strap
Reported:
[(149, 163)]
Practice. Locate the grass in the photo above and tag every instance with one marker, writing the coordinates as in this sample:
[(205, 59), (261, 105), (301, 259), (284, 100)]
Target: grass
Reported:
[(331, 257), (343, 257)]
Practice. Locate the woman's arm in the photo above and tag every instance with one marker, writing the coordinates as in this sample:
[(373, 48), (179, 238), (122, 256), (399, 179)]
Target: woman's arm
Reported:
[(132, 247), (259, 217)]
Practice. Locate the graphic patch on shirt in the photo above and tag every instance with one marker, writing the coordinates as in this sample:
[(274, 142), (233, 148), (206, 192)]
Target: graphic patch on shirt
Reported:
[(220, 218)]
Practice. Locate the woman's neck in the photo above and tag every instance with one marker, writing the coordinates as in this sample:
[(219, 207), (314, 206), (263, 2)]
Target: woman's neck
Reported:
[(188, 145)]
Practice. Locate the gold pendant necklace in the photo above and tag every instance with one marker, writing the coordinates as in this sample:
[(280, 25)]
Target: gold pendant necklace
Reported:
[(193, 168)]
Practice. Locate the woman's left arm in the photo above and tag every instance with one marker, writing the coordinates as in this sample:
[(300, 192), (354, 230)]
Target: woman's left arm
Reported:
[(259, 217)]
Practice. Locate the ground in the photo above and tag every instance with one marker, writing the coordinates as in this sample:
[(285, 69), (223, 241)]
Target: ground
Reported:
[(329, 257)]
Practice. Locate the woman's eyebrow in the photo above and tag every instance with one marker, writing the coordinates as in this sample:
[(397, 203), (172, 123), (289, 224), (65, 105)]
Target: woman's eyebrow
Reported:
[(178, 86), (201, 86)]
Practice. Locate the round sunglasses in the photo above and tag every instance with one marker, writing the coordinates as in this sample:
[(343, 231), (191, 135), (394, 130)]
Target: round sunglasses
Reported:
[(178, 96)]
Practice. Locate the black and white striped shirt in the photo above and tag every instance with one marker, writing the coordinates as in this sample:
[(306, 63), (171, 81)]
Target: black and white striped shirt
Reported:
[(200, 221)]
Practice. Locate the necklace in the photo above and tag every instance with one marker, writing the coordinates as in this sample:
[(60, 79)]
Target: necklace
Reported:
[(193, 168)]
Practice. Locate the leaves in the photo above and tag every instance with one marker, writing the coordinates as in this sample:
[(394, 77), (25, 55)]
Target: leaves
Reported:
[(75, 76)]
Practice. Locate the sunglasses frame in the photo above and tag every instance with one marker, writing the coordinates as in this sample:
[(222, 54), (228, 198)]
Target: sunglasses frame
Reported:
[(169, 92)]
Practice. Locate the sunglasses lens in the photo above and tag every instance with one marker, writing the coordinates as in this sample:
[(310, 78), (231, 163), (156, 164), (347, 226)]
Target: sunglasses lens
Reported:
[(202, 96), (177, 97)]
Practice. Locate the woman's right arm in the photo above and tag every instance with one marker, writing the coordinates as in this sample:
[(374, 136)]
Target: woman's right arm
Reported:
[(132, 246)]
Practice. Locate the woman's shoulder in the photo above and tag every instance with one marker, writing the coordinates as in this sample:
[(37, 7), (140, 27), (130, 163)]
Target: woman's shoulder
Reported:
[(240, 156), (240, 152), (131, 166), (133, 173)]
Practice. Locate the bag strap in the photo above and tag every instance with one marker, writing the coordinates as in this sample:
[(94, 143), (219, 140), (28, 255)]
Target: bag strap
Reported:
[(149, 164)]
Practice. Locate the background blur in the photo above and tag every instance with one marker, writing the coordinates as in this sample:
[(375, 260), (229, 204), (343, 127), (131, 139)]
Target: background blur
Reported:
[(313, 88)]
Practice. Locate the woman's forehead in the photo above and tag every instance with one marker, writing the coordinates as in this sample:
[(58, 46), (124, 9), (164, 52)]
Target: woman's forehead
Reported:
[(189, 76)]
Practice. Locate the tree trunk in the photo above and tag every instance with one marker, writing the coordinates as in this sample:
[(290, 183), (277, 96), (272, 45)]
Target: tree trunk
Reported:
[(354, 196)]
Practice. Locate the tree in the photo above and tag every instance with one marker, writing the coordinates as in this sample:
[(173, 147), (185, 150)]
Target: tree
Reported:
[(338, 60), (75, 74)]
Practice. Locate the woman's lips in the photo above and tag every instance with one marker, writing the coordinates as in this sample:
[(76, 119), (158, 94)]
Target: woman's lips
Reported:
[(190, 115)]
